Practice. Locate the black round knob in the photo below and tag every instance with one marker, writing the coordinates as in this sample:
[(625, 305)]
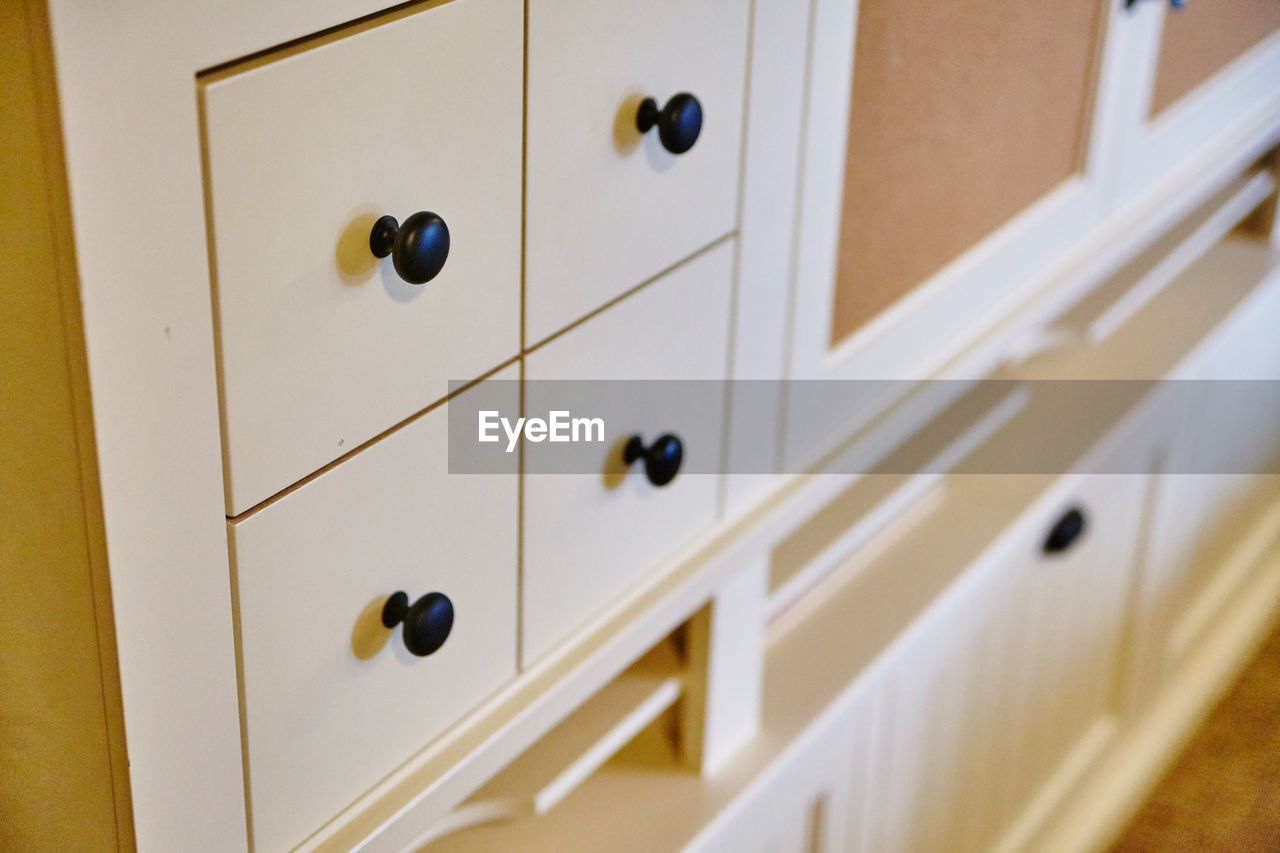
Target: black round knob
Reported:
[(418, 248), (679, 122), (427, 621), (1065, 531), (661, 459)]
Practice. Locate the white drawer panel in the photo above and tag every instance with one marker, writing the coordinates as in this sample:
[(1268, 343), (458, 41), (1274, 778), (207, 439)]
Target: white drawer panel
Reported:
[(333, 701), (608, 208), (322, 345), (587, 539)]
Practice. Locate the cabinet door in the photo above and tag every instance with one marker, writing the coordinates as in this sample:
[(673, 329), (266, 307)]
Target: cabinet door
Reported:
[(1198, 79), (949, 157), (1216, 510), (990, 713)]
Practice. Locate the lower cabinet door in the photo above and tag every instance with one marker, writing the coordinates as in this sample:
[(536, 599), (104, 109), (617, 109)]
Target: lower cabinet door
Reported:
[(333, 700), (999, 702), (1215, 509)]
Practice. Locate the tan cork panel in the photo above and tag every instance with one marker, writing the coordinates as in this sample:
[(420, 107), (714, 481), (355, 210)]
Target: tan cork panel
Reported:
[(962, 115), (1203, 38)]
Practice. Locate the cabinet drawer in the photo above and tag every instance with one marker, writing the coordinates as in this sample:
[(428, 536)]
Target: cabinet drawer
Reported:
[(608, 208), (587, 537), (323, 346), (333, 700)]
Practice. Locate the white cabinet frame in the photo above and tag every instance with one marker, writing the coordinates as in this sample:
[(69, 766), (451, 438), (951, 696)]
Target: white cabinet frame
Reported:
[(918, 333), (1233, 101)]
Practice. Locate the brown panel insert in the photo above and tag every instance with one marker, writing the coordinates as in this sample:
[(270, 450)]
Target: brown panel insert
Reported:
[(1203, 38), (962, 114)]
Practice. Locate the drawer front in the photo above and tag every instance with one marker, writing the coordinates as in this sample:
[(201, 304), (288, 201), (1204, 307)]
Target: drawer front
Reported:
[(588, 537), (333, 701), (322, 345), (608, 208)]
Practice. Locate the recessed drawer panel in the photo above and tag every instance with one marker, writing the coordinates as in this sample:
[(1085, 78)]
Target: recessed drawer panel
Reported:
[(323, 345), (333, 699), (588, 537), (609, 207)]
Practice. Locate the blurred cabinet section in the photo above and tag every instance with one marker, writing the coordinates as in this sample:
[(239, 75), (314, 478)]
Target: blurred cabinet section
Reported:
[(962, 115), (1196, 82), (992, 713), (1202, 39)]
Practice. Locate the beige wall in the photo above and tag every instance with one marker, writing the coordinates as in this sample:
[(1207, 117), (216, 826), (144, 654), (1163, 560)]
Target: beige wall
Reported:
[(63, 776)]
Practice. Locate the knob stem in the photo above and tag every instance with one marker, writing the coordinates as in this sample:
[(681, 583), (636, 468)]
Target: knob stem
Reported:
[(394, 610), (382, 239), (647, 115)]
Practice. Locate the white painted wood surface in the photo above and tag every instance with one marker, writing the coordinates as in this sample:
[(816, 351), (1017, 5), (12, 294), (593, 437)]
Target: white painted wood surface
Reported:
[(141, 256), (1153, 738), (1242, 94), (766, 245), (808, 804), (607, 208), (332, 700), (589, 537), (575, 749), (997, 698), (725, 646), (322, 345), (996, 693), (150, 342), (126, 89), (1199, 517)]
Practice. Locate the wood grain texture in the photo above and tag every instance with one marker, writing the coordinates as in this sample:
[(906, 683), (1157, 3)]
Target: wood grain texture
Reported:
[(962, 115), (1203, 38), (63, 774)]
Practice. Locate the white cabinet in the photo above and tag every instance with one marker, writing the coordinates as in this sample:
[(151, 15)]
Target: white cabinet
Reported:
[(892, 189)]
